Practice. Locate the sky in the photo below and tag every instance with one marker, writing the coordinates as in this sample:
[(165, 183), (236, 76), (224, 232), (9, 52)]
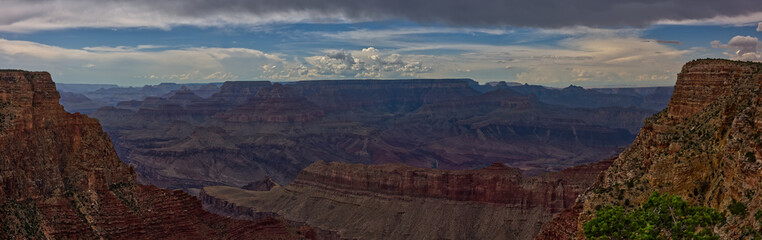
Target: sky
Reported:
[(590, 43)]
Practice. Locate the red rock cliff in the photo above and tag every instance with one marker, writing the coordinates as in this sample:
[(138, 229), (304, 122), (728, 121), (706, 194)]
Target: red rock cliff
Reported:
[(701, 82), (386, 201), (496, 183), (704, 148), (60, 178), (47, 151)]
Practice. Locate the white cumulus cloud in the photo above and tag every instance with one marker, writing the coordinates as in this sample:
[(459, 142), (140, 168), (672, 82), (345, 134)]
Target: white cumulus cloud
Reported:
[(747, 48), (366, 63)]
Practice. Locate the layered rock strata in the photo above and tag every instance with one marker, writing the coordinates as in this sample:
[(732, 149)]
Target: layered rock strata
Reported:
[(394, 201)]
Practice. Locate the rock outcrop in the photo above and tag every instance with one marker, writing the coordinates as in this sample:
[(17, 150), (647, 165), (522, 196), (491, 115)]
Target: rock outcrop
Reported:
[(394, 201), (60, 178), (705, 148)]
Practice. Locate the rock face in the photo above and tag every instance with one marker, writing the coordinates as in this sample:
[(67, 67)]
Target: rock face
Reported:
[(249, 130), (394, 201), (495, 183), (705, 147), (39, 137), (700, 84), (60, 178)]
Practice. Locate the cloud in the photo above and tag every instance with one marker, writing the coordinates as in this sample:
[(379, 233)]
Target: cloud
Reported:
[(744, 45), (129, 65), (121, 48), (366, 63), (744, 19), (26, 15), (375, 35), (591, 60), (193, 75), (747, 48), (759, 27), (667, 41)]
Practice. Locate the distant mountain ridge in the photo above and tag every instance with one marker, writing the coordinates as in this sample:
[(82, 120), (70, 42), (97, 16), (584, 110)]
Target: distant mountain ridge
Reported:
[(101, 95), (653, 98)]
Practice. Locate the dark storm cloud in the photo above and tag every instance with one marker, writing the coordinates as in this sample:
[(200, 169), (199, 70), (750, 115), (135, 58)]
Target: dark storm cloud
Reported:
[(525, 13), (533, 13)]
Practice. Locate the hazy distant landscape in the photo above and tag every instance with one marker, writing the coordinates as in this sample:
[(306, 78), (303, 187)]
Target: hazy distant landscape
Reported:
[(178, 137)]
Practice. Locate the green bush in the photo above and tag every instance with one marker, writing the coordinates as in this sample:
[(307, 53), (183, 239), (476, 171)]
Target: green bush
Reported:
[(737, 208), (661, 217)]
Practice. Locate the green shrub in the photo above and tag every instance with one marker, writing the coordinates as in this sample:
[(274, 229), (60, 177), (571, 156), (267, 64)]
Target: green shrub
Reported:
[(661, 217), (737, 208)]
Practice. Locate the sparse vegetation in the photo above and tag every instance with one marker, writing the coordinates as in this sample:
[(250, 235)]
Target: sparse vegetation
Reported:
[(123, 191), (660, 217), (21, 220), (5, 117), (737, 208)]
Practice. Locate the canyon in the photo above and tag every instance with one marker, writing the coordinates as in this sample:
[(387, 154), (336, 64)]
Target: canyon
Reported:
[(252, 129), (60, 178), (309, 156), (370, 159), (704, 148)]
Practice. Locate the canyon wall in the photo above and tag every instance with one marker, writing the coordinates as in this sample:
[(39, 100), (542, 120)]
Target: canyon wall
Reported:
[(394, 201), (60, 178), (705, 148)]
